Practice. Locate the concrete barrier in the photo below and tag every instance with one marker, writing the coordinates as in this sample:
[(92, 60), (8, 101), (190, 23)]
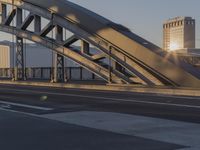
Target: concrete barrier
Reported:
[(112, 87)]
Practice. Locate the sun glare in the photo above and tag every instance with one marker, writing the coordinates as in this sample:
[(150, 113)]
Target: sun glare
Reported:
[(173, 46)]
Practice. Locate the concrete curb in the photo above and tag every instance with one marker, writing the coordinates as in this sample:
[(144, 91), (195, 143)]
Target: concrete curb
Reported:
[(112, 87)]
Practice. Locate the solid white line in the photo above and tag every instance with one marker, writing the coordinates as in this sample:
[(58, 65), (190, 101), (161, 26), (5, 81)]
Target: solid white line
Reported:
[(178, 97), (112, 99), (20, 112), (26, 106)]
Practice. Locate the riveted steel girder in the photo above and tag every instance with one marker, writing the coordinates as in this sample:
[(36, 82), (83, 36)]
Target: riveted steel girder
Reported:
[(79, 32), (78, 58)]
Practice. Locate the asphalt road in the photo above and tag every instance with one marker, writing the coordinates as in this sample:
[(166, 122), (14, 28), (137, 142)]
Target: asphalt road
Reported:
[(22, 126)]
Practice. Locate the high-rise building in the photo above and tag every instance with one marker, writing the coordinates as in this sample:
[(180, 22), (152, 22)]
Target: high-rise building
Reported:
[(179, 33)]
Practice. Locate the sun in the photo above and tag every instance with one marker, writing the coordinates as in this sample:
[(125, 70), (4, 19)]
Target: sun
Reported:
[(173, 46)]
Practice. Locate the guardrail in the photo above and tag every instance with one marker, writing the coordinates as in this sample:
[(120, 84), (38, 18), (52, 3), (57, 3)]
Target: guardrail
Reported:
[(45, 73)]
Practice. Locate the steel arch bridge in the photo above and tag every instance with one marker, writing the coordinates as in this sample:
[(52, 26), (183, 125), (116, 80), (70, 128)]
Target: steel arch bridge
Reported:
[(132, 59)]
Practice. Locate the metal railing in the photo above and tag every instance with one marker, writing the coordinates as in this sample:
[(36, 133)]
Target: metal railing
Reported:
[(45, 73)]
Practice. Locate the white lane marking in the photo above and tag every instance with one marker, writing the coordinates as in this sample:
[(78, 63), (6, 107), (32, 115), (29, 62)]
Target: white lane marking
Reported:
[(178, 97), (112, 99), (26, 106), (19, 112), (5, 106)]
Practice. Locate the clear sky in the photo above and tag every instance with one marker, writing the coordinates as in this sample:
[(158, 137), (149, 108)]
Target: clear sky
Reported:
[(144, 17)]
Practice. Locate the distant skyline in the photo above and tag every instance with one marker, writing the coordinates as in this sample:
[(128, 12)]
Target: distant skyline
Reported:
[(142, 17)]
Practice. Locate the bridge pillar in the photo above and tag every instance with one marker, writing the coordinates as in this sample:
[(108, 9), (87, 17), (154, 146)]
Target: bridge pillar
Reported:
[(19, 64), (59, 61)]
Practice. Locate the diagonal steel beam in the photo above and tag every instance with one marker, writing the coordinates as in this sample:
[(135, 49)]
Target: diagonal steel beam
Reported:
[(70, 41), (98, 57), (10, 17), (47, 29), (27, 21)]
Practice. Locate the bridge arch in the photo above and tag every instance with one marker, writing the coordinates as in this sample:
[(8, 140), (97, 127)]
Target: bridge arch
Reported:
[(127, 51)]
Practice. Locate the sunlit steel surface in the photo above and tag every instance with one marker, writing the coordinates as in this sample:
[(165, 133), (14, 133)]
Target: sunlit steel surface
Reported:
[(128, 51)]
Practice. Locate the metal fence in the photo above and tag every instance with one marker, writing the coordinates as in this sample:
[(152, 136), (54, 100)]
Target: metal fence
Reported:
[(71, 73)]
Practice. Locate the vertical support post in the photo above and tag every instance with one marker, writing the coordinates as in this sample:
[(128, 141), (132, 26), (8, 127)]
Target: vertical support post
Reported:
[(59, 61), (3, 11), (19, 18), (81, 73), (61, 68), (110, 66), (115, 66), (37, 24), (42, 74), (70, 73), (19, 66), (93, 76), (85, 47), (54, 71)]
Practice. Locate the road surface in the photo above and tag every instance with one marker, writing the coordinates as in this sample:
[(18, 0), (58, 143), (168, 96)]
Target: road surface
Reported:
[(45, 118)]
